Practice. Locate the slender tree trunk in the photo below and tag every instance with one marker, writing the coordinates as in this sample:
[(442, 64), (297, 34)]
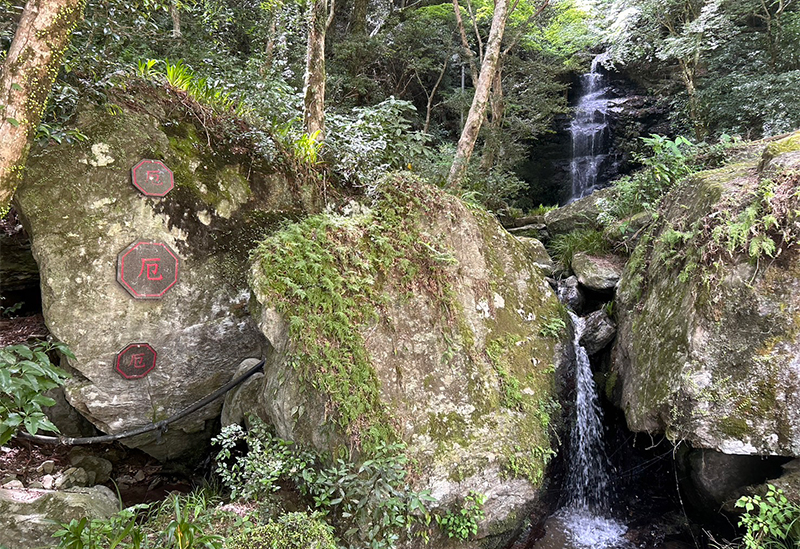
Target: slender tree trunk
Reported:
[(468, 53), (358, 21), (498, 109), (466, 144), (431, 95), (314, 92), (30, 67), (176, 20)]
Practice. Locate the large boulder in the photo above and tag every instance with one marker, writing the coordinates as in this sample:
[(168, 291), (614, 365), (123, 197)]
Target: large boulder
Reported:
[(81, 210), (580, 214), (29, 518), (709, 314), (419, 320)]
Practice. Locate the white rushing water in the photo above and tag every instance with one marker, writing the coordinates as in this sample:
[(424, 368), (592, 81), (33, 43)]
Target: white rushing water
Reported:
[(589, 130), (582, 523), (587, 479)]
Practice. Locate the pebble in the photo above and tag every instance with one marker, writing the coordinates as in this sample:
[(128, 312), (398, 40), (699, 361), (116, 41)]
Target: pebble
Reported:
[(139, 476), (36, 484), (14, 485), (48, 482), (47, 467)]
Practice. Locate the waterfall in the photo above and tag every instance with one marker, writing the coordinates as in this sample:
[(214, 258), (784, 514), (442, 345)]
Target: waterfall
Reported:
[(587, 480), (589, 130), (581, 523)]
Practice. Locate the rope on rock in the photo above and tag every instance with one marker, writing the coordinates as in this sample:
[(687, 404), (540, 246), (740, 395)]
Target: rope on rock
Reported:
[(160, 426)]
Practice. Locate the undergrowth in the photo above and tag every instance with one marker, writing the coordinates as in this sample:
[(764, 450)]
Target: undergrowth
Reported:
[(371, 503)]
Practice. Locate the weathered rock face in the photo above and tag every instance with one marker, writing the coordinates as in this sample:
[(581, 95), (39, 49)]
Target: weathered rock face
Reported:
[(28, 518), (460, 369), (596, 273), (708, 343), (579, 214), (81, 211)]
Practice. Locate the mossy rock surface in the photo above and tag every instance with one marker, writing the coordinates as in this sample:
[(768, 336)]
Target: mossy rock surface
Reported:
[(442, 345), (81, 210), (709, 306)]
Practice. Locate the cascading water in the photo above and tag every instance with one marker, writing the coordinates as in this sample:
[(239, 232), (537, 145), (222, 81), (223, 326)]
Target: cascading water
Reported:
[(587, 480), (589, 130), (581, 523)]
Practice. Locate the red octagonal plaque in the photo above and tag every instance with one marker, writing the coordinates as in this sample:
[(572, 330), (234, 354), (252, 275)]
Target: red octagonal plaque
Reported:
[(152, 178), (147, 269), (135, 361)]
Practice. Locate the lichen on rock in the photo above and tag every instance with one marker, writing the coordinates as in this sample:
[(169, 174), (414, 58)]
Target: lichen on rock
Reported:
[(709, 309)]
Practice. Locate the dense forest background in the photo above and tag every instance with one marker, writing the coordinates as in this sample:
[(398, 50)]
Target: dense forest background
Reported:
[(401, 75)]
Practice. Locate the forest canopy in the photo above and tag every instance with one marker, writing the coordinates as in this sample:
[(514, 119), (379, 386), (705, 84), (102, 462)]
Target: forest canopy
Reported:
[(399, 76)]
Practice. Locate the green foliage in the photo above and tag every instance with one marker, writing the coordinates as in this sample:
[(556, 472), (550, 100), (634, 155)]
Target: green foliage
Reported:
[(178, 522), (371, 141), (770, 521), (181, 77), (564, 246), (554, 327), (666, 164), (370, 502), (763, 226), (25, 374), (463, 522), (289, 531)]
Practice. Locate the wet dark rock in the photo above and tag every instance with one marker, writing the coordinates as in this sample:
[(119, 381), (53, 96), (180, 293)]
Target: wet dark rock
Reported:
[(599, 330), (570, 294), (714, 479)]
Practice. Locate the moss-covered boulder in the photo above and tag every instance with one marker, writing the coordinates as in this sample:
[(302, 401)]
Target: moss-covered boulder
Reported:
[(81, 210), (28, 518), (417, 319), (709, 313)]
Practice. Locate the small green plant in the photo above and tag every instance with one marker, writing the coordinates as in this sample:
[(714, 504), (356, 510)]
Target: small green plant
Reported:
[(121, 530), (183, 532), (770, 521), (553, 327), (25, 374), (563, 247), (463, 522), (289, 531)]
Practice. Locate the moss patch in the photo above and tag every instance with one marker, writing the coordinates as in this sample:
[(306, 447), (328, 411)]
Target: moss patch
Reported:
[(329, 277)]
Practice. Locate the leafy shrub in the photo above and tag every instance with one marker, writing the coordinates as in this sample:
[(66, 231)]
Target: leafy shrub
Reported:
[(289, 531), (463, 522), (371, 502), (771, 521), (370, 141), (666, 163), (25, 374)]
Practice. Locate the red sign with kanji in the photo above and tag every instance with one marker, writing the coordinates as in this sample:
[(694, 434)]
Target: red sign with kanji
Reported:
[(152, 178), (147, 269), (136, 360)]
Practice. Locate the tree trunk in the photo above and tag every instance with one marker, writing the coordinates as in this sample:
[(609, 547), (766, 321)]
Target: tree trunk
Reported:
[(491, 145), (176, 20), (466, 144), (358, 22), (30, 67), (314, 92)]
